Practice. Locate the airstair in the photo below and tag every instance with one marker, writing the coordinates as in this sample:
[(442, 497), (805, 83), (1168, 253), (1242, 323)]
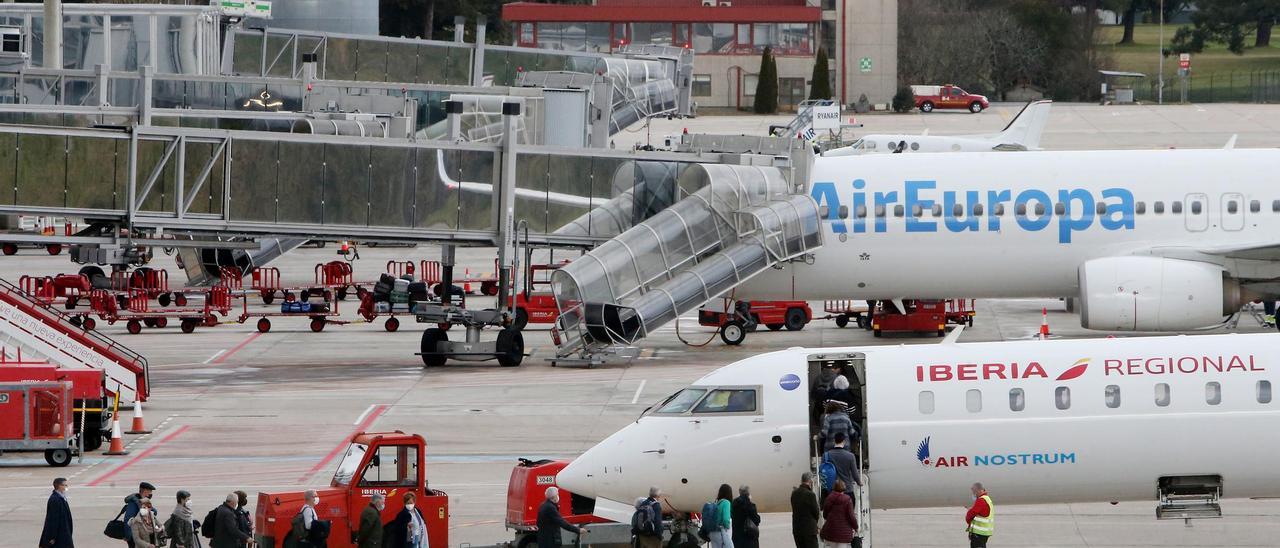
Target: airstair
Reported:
[(731, 223), (42, 332), (803, 119)]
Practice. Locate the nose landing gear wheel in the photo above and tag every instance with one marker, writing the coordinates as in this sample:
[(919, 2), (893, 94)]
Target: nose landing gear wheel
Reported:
[(431, 339), (510, 347), (733, 333)]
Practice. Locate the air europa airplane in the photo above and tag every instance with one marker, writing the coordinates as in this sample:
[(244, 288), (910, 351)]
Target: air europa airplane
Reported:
[(1171, 419), (1144, 240)]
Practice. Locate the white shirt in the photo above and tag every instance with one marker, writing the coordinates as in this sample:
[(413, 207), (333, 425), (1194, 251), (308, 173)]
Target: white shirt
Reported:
[(308, 516)]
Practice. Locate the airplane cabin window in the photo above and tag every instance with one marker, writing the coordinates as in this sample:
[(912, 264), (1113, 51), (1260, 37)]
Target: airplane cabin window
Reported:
[(1021, 210), (1158, 207), (1060, 209), (977, 210), (860, 211), (1212, 393), (1141, 208), (1162, 394), (1264, 391), (844, 212), (917, 211), (1232, 206), (880, 211), (1275, 205), (1101, 208), (1195, 207), (898, 211), (1040, 210), (957, 210), (998, 210), (915, 146), (937, 210), (973, 401), (1062, 397), (1175, 207), (1112, 396), (824, 212), (926, 403), (1017, 399), (681, 401), (1255, 206), (728, 400)]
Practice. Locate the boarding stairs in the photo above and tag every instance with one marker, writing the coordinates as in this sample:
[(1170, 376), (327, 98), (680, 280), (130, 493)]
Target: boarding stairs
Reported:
[(803, 119), (731, 223), (38, 331)]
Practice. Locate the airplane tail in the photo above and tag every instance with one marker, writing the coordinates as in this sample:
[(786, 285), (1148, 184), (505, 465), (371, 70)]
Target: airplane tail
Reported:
[(1025, 128)]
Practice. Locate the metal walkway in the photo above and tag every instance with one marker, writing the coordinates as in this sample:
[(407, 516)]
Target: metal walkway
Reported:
[(732, 223)]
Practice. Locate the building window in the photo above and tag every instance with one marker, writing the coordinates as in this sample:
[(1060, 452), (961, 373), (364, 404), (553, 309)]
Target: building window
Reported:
[(1264, 391), (1163, 396), (618, 34), (527, 37), (743, 37), (651, 33), (1017, 399), (1112, 396), (682, 35), (749, 83), (973, 401), (11, 41), (926, 403), (702, 85)]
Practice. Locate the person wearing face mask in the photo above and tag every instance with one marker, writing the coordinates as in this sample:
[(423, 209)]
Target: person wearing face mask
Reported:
[(303, 522), (146, 529), (226, 534), (57, 518), (180, 527), (410, 528), (243, 519), (370, 533)]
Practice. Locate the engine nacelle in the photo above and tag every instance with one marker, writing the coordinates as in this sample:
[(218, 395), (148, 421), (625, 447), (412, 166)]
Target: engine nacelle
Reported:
[(1155, 294)]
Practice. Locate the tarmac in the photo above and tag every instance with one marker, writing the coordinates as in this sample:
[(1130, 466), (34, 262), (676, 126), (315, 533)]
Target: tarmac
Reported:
[(235, 409)]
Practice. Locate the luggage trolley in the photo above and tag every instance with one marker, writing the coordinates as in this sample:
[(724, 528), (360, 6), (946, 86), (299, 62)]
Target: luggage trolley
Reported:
[(379, 301), (321, 313), (137, 310), (844, 310), (68, 289)]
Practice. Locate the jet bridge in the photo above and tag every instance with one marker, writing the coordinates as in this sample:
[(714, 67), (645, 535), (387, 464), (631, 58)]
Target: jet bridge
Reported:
[(731, 223)]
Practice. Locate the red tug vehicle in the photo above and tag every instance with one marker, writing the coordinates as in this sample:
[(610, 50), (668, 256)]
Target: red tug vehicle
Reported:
[(737, 318)]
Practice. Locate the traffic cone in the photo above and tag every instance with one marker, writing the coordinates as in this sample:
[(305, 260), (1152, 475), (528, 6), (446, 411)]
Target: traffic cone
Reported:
[(138, 427), (117, 439), (466, 277), (1044, 323)]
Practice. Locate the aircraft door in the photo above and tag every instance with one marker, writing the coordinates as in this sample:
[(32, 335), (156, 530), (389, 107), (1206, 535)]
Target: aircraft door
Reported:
[(1233, 205), (1197, 212)]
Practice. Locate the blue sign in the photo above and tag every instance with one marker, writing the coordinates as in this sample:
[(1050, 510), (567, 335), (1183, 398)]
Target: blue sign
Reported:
[(789, 382)]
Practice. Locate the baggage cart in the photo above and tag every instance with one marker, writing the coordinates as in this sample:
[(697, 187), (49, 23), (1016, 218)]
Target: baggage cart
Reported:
[(321, 313), (137, 311), (844, 310)]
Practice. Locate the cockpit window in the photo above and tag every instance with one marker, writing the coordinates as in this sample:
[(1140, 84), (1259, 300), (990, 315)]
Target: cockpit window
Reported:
[(682, 401), (728, 400)]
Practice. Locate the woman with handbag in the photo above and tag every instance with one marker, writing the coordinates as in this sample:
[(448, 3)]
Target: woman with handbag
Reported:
[(842, 523), (146, 529), (746, 520)]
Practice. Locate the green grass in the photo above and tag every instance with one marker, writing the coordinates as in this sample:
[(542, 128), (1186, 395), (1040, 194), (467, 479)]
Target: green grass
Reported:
[(1227, 73)]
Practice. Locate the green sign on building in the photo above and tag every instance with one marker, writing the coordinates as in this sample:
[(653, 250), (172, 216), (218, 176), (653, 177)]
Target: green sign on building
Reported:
[(864, 64)]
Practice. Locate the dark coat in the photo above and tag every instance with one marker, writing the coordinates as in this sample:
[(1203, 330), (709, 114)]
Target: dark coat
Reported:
[(369, 535), (743, 510), (398, 531), (245, 522), (57, 523), (550, 522), (226, 529), (841, 522), (804, 517)]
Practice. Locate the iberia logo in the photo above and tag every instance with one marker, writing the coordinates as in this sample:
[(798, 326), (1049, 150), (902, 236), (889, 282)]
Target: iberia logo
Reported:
[(922, 452), (986, 371)]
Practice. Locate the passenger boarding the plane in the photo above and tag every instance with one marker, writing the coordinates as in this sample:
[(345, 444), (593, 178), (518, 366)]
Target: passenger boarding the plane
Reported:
[(981, 517), (835, 421)]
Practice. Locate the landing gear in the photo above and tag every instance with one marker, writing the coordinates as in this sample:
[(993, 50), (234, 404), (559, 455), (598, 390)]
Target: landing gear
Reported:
[(430, 348)]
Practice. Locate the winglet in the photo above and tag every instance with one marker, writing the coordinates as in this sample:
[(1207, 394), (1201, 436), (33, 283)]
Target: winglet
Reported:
[(953, 336), (1231, 143), (1025, 128)]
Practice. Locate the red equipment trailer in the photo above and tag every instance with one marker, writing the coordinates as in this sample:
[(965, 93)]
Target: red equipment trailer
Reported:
[(386, 463), (535, 303), (846, 309), (137, 310), (88, 392), (68, 289), (37, 417), (321, 313), (919, 316), (776, 315), (527, 490), (961, 311)]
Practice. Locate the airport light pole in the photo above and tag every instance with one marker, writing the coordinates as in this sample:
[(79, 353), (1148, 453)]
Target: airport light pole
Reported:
[(1160, 77)]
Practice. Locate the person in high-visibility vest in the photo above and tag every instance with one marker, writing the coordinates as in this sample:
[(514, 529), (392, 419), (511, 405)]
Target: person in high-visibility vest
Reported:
[(981, 517)]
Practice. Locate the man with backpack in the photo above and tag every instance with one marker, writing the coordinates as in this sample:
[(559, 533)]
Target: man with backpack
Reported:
[(132, 506), (225, 531), (646, 522)]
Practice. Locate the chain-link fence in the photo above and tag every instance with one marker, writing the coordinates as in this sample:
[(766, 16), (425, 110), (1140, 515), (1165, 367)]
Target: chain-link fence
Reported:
[(1236, 86)]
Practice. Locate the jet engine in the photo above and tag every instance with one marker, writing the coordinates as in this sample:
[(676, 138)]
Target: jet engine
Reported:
[(1155, 294)]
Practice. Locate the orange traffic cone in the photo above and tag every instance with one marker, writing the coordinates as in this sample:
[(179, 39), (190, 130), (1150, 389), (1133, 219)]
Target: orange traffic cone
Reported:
[(138, 427), (117, 439), (1044, 323), (466, 277)]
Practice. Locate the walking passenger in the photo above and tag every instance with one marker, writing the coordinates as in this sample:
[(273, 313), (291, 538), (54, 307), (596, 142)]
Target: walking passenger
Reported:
[(132, 507), (746, 520), (146, 531), (841, 392), (804, 513), (550, 522), (846, 462), (57, 518), (369, 535), (646, 523), (180, 527), (722, 527), (834, 422), (301, 533), (226, 533), (409, 530), (243, 519), (981, 517), (841, 524)]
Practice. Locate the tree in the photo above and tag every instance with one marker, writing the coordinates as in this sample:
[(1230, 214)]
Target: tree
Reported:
[(1228, 22), (766, 101), (434, 18), (821, 86)]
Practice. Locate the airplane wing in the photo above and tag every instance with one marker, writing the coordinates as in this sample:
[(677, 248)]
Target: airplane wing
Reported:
[(1256, 251), (559, 198)]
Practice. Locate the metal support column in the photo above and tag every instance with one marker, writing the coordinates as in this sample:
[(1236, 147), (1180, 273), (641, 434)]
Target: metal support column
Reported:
[(446, 274), (477, 60), (459, 29), (53, 34), (144, 106), (507, 205)]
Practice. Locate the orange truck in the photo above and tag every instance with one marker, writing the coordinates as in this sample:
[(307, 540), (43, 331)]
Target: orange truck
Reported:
[(949, 96), (387, 463)]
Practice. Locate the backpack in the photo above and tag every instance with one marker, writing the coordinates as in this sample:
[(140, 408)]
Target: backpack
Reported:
[(709, 511), (208, 525), (643, 522), (827, 473)]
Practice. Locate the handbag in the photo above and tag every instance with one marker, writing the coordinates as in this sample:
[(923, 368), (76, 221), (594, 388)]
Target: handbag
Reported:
[(752, 529), (116, 528)]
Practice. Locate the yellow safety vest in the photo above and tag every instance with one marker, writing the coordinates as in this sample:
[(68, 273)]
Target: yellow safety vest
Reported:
[(985, 525)]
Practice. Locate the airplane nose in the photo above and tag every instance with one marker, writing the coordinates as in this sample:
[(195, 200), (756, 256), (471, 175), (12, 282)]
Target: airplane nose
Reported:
[(575, 477)]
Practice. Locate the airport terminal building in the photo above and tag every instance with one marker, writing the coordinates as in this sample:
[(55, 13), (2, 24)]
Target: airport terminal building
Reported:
[(727, 37)]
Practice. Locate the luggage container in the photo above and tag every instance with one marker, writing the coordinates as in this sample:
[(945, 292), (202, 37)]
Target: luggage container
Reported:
[(915, 316), (37, 417), (89, 395)]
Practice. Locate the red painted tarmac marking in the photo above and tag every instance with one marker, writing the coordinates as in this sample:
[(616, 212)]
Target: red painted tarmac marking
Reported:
[(361, 427), (237, 348), (146, 453)]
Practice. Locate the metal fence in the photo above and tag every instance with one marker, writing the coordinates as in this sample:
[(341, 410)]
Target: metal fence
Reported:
[(1236, 86)]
